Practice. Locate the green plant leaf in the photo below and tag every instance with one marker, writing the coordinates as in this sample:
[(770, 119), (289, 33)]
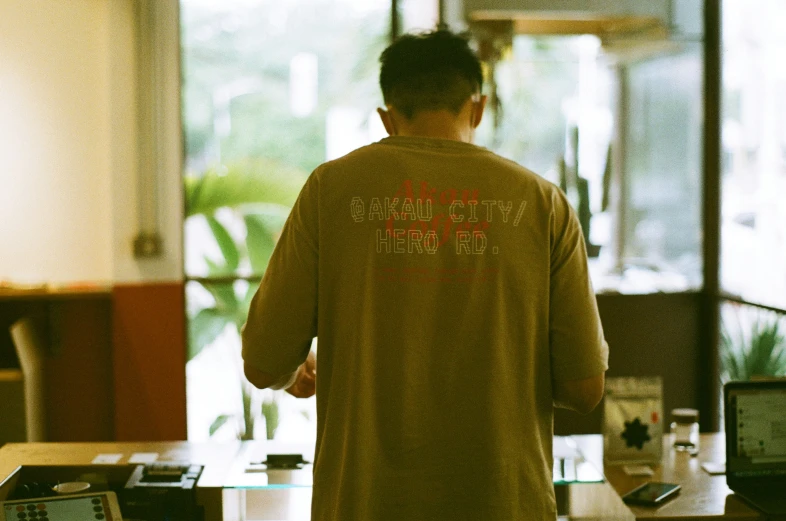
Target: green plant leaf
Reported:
[(225, 243), (270, 412), (250, 292), (260, 241), (251, 181), (732, 360), (247, 393), (274, 215), (214, 269), (227, 302), (218, 423), (762, 353), (203, 330), (244, 304)]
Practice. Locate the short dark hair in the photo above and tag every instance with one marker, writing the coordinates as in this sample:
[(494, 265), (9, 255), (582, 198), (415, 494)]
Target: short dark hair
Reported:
[(429, 71)]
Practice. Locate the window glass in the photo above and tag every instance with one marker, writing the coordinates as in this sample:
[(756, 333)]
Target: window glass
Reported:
[(564, 106), (660, 235), (271, 89), (418, 15), (539, 98), (753, 230)]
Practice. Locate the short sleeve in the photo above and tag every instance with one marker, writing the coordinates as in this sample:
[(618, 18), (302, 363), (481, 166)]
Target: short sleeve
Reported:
[(282, 318), (578, 348)]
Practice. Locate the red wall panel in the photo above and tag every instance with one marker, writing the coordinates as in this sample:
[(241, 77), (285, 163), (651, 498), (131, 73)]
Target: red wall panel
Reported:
[(149, 351)]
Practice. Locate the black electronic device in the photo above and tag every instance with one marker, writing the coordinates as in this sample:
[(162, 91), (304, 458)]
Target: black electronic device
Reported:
[(651, 494), (285, 461), (167, 488), (98, 506), (165, 475), (161, 491), (756, 442)]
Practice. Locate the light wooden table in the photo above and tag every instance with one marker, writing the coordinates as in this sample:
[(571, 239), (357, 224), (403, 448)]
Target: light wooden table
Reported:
[(703, 496), (230, 494), (581, 502), (227, 495)]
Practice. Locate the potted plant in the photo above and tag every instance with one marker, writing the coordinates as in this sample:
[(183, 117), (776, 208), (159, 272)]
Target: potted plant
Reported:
[(259, 195), (755, 351)]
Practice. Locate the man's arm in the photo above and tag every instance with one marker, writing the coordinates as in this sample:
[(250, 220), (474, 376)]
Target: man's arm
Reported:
[(301, 383), (263, 380), (581, 396), (578, 348), (282, 316)]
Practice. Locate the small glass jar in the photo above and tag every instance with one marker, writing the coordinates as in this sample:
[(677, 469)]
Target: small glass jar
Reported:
[(685, 430)]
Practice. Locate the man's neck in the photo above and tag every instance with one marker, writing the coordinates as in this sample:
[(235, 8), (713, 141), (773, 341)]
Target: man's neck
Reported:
[(438, 125)]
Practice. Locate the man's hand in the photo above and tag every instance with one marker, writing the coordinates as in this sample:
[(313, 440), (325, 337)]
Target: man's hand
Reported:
[(305, 385)]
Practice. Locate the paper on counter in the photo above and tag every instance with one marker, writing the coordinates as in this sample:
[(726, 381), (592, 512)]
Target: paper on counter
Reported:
[(714, 469), (107, 459), (143, 457), (638, 470)]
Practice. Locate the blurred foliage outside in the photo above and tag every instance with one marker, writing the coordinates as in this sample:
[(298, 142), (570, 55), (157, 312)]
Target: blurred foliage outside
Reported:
[(534, 81), (251, 47), (260, 194), (753, 343), (248, 153)]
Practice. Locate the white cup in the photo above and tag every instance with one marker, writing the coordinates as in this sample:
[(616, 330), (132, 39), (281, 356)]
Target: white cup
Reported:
[(71, 487)]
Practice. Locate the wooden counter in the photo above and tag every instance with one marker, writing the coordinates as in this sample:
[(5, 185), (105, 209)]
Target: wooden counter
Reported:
[(226, 491), (229, 495), (702, 496), (217, 459)]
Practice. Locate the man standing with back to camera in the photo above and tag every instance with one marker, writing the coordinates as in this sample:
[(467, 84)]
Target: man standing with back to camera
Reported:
[(449, 291)]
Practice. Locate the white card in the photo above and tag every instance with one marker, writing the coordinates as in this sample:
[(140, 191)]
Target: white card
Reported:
[(107, 459), (713, 468), (143, 457), (638, 470)]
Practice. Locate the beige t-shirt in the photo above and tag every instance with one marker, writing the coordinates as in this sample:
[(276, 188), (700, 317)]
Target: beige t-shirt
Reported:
[(447, 287)]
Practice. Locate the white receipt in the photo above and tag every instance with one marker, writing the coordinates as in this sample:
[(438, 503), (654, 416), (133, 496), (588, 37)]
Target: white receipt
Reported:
[(143, 457), (638, 470), (714, 468), (107, 459)]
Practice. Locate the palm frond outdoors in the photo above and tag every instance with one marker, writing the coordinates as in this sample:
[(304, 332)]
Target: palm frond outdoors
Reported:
[(755, 351), (259, 194)]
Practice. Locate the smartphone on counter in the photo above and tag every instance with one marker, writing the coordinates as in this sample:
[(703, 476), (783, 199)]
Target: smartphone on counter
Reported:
[(651, 494)]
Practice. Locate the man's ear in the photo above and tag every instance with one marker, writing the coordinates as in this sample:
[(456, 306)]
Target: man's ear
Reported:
[(478, 107), (387, 120)]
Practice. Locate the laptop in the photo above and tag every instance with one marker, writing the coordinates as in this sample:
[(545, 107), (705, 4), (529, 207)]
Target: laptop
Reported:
[(755, 415)]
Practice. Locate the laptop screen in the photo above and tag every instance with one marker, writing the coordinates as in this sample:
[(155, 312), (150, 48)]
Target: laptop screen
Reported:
[(755, 428)]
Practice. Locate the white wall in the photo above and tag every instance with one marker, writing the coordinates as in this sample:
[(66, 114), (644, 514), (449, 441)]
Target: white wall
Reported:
[(68, 184), (54, 141), (125, 199)]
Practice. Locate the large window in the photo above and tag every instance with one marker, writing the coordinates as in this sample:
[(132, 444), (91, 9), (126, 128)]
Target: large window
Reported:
[(753, 258), (271, 89), (617, 124), (753, 188), (659, 240)]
